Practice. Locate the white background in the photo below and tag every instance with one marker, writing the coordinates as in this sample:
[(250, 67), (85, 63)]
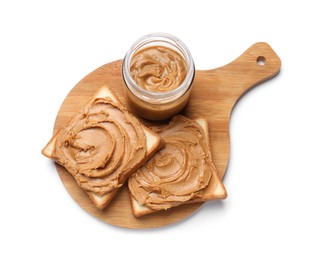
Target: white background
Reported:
[(46, 47)]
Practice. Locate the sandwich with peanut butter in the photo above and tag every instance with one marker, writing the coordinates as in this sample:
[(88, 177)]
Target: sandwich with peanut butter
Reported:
[(102, 146), (181, 172)]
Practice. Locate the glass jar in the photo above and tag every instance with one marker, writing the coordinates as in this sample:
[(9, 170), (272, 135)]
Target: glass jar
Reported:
[(158, 105)]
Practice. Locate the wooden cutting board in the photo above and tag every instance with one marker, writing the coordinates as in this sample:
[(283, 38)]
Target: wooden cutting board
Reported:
[(214, 95)]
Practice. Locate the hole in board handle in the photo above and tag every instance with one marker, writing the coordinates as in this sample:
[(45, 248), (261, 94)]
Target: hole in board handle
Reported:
[(261, 60)]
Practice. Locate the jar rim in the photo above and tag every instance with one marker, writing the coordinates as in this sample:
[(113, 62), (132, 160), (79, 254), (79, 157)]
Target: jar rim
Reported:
[(167, 39)]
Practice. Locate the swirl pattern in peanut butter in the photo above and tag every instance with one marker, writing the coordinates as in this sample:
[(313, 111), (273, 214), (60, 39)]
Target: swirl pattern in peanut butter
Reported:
[(158, 69), (179, 171), (100, 145)]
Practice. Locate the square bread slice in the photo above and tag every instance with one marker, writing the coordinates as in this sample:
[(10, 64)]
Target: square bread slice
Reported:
[(102, 145), (180, 173)]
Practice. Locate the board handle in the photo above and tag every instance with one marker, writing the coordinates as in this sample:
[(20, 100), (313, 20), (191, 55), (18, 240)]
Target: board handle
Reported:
[(257, 64)]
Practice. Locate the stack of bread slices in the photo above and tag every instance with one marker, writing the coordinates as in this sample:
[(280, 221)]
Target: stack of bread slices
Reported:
[(104, 145)]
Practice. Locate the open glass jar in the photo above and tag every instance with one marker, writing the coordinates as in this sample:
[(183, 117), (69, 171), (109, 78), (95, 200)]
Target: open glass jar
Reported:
[(158, 105)]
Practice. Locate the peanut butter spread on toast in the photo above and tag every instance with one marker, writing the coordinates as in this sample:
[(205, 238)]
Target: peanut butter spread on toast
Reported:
[(179, 171), (100, 145)]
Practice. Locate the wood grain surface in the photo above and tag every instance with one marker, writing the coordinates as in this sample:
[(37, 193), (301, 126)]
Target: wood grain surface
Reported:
[(214, 95)]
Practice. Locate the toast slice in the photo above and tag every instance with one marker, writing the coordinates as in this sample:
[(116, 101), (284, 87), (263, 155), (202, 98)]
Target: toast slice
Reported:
[(159, 184), (102, 145)]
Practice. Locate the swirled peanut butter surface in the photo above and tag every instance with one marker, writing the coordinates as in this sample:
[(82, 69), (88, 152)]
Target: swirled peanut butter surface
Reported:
[(158, 69), (100, 145), (179, 171)]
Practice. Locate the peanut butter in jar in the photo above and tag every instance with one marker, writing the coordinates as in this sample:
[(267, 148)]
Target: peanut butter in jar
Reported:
[(158, 72)]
